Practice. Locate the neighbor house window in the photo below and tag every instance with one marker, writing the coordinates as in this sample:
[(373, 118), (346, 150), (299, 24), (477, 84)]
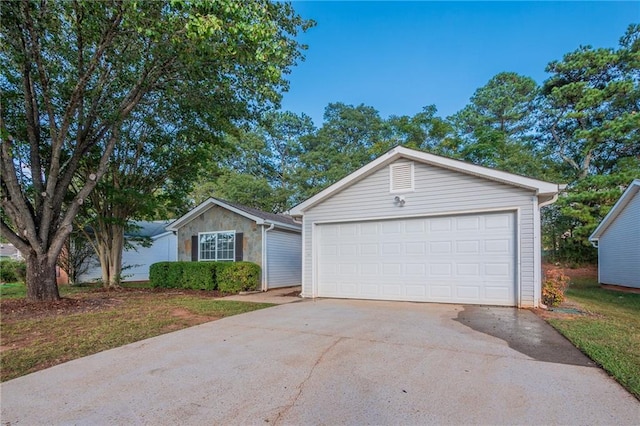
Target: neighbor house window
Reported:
[(217, 245)]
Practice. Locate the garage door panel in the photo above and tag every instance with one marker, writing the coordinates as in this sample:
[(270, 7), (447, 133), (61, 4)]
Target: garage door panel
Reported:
[(457, 259)]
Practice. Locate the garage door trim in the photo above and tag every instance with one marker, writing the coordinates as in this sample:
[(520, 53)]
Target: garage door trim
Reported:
[(517, 252)]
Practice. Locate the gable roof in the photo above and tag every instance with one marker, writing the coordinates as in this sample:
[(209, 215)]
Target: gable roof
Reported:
[(545, 191), (148, 229), (617, 208), (258, 216)]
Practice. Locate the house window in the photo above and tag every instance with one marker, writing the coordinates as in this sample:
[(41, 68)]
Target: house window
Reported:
[(219, 246), (401, 177)]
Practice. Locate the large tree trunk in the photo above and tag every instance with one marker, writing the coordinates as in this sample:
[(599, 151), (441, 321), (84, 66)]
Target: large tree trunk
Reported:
[(41, 278)]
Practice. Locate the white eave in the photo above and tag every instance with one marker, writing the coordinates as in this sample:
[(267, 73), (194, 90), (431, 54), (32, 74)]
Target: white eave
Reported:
[(207, 204), (545, 191), (617, 208)]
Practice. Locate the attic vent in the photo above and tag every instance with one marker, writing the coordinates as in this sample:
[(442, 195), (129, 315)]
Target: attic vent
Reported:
[(401, 177)]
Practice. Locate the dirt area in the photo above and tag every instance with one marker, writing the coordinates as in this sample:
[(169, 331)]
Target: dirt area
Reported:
[(587, 271), (90, 301), (568, 309)]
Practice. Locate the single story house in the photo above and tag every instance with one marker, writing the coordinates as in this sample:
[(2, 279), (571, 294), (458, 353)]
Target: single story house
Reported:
[(617, 238), (219, 230), (414, 226), (137, 258), (9, 251)]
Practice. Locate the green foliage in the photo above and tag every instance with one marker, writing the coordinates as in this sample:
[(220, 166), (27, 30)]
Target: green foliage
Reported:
[(590, 114), (127, 95), (569, 222), (166, 274), (12, 270), (198, 275), (228, 277), (496, 129), (238, 276)]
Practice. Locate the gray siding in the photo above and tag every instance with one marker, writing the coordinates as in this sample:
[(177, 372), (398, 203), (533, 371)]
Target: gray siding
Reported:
[(217, 218), (284, 258), (619, 248), (137, 259), (437, 191)]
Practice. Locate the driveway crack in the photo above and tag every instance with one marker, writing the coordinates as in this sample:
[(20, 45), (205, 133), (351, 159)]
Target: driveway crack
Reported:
[(288, 407)]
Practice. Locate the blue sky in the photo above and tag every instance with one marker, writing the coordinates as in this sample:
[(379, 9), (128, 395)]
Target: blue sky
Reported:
[(400, 56)]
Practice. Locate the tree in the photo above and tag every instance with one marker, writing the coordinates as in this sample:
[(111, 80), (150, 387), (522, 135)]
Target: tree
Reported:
[(569, 222), (496, 129), (590, 120), (73, 73), (344, 143), (592, 102), (423, 131), (262, 165)]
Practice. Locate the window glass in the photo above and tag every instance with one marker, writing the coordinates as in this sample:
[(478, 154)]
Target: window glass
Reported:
[(217, 246)]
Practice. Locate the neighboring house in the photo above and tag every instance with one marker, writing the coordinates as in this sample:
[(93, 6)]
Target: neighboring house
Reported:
[(618, 241), (219, 230), (9, 251), (414, 226), (137, 259)]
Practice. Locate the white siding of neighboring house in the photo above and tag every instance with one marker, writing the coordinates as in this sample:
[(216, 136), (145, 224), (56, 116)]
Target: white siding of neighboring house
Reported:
[(284, 258), (619, 248), (437, 191), (136, 262)]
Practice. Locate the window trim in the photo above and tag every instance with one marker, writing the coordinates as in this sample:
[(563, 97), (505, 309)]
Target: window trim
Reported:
[(412, 177), (233, 251)]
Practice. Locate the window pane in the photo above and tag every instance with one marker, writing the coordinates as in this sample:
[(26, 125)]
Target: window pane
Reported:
[(225, 246)]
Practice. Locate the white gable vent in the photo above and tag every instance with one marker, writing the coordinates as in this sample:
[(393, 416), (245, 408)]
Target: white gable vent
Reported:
[(401, 177)]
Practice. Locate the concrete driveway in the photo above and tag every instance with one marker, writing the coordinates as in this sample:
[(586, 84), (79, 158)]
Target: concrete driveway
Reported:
[(333, 362)]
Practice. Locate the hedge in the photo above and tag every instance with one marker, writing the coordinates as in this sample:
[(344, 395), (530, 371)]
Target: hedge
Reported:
[(228, 277)]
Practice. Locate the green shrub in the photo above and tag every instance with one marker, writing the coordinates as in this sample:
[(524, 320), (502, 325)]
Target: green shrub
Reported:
[(166, 274), (12, 270), (199, 275), (228, 277), (235, 277)]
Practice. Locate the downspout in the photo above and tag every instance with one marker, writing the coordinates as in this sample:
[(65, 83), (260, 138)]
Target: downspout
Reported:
[(265, 284)]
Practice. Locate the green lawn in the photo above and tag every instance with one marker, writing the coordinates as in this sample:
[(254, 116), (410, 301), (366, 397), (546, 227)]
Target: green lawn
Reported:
[(610, 335)]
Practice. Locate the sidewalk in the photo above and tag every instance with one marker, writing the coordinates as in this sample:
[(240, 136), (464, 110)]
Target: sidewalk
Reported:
[(276, 296)]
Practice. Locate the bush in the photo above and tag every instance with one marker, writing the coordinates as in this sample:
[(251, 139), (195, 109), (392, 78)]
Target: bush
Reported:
[(228, 277), (12, 270), (238, 276), (199, 275), (166, 274), (553, 288)]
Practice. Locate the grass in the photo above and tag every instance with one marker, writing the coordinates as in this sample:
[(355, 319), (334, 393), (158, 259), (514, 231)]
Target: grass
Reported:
[(610, 335), (33, 343)]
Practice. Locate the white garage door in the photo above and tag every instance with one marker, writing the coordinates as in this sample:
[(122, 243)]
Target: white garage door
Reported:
[(454, 259)]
